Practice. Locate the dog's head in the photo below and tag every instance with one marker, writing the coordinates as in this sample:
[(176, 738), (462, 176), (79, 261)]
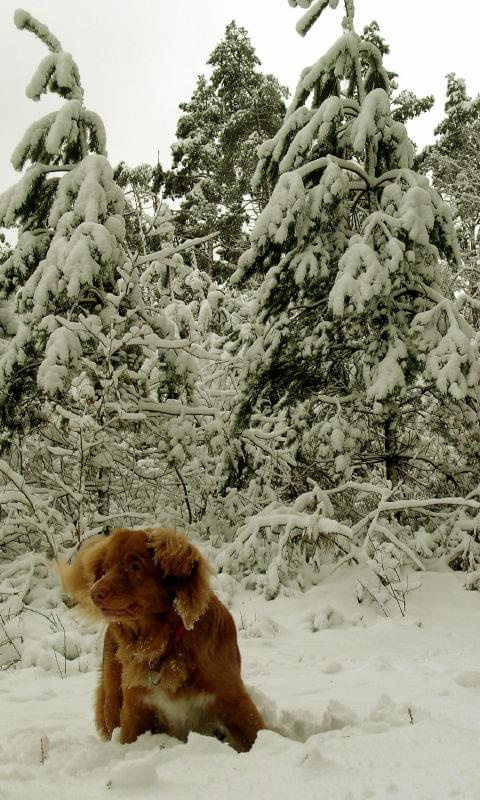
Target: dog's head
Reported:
[(132, 574)]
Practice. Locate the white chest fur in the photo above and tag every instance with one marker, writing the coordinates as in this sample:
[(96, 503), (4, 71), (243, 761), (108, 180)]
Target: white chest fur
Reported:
[(181, 714)]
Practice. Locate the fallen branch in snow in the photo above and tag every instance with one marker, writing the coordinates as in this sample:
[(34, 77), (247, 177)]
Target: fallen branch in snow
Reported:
[(282, 543)]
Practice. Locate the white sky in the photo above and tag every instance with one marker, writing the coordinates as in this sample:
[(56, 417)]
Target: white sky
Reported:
[(140, 58)]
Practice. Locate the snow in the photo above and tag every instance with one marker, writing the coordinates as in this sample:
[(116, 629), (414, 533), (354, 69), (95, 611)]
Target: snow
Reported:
[(30, 140), (12, 200), (360, 705), (360, 277), (317, 129), (64, 126), (372, 117), (55, 69), (63, 349), (274, 222), (451, 360)]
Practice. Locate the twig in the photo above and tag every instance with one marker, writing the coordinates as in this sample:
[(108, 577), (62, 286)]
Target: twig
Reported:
[(187, 501)]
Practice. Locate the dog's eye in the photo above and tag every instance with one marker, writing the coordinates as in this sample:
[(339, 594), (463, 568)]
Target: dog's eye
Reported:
[(136, 566)]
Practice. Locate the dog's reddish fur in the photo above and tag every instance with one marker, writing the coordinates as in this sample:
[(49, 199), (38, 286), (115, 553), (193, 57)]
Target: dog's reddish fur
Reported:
[(170, 660)]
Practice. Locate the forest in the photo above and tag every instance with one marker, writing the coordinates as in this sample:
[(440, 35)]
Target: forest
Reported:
[(271, 344)]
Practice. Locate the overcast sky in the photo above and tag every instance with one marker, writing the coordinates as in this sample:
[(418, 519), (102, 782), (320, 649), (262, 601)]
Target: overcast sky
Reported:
[(140, 58)]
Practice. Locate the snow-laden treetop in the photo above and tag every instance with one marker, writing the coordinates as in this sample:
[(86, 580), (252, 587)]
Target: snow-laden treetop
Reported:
[(58, 71), (315, 8), (65, 135)]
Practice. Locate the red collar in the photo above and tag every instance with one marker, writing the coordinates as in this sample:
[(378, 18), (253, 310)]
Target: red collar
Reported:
[(176, 638)]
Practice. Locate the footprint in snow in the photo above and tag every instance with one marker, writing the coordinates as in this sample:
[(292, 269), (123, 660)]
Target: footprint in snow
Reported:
[(469, 679), (327, 617), (261, 628)]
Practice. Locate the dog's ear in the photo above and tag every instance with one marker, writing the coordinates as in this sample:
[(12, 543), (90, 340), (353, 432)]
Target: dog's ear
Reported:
[(184, 569), (79, 576)]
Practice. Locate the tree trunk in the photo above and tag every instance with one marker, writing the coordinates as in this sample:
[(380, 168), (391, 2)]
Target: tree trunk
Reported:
[(391, 457), (103, 494), (210, 256)]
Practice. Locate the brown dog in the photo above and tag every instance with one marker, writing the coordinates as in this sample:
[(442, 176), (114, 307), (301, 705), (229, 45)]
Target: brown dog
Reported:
[(171, 661)]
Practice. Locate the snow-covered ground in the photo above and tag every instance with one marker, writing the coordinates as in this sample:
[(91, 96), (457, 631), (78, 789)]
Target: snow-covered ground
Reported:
[(360, 705)]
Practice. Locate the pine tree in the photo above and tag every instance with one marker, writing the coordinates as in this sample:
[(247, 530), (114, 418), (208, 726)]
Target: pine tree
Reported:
[(148, 218), (214, 156), (357, 337), (454, 162)]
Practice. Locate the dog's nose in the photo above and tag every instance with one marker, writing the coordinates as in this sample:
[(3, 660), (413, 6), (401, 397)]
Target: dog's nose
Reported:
[(99, 594)]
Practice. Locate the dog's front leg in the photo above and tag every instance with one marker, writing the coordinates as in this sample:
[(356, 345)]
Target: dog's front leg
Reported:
[(240, 717), (136, 716), (109, 696)]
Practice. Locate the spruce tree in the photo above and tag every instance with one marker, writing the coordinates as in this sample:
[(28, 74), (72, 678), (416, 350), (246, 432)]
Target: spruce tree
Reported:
[(229, 115), (357, 338), (93, 384), (51, 145)]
